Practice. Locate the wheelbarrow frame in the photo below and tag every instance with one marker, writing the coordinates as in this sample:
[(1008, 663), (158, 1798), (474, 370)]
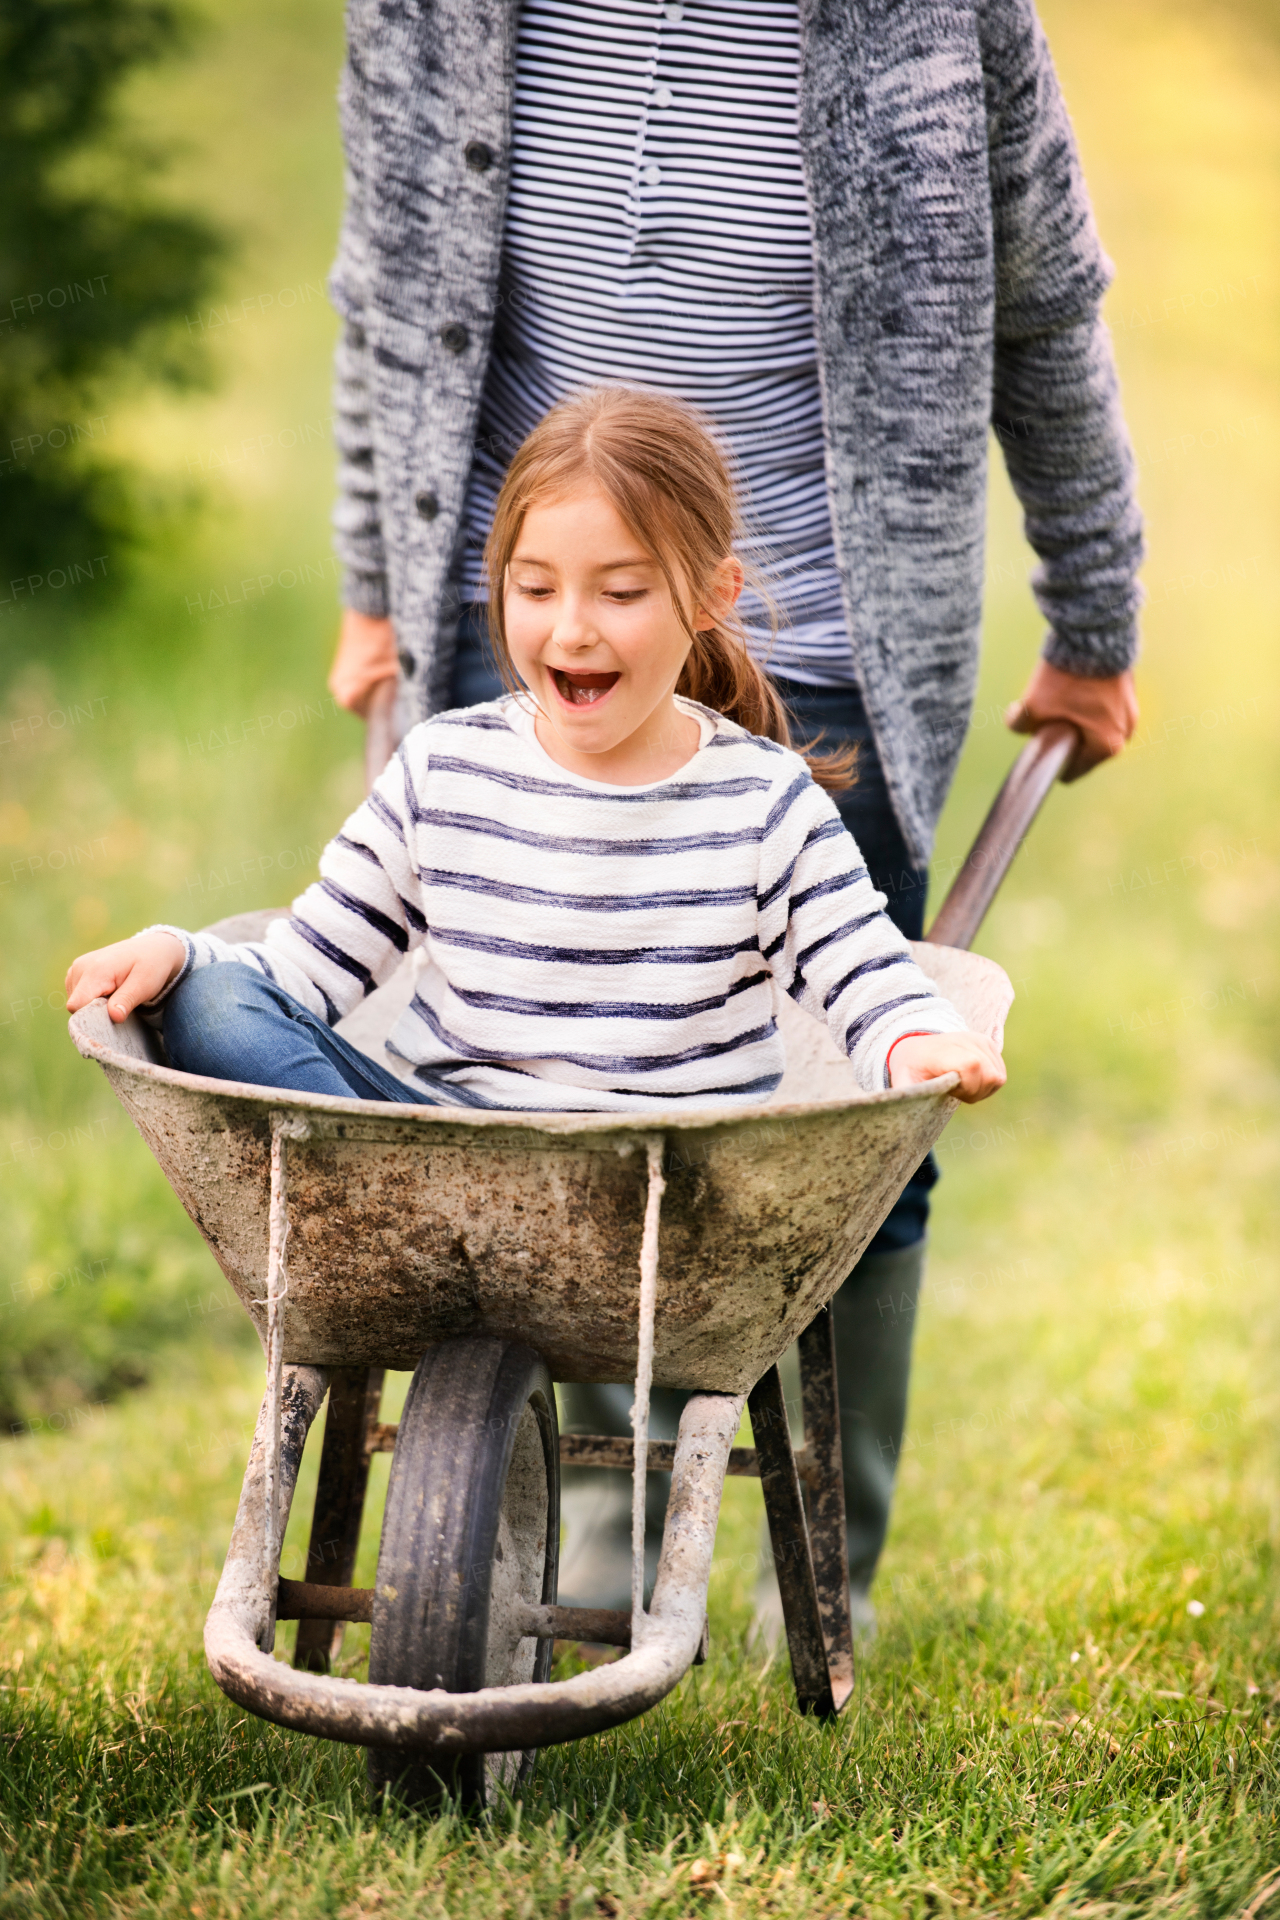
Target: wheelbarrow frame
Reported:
[(803, 1490)]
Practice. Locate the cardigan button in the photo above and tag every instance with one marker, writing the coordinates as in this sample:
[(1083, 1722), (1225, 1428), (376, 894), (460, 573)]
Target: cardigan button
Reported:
[(478, 156), (455, 337), (407, 665), (426, 503)]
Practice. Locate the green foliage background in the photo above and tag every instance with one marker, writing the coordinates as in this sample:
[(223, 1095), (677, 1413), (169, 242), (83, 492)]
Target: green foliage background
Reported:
[(96, 270), (1091, 1443)]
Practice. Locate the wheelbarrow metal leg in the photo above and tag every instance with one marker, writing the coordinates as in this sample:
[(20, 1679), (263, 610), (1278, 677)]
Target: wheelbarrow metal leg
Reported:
[(355, 1396), (828, 1544), (789, 1538)]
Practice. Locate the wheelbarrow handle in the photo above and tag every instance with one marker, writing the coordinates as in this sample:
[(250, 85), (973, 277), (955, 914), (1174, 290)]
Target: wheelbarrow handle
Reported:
[(380, 730), (989, 859)]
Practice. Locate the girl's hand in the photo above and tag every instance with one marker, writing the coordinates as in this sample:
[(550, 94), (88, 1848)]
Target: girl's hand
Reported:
[(130, 974), (924, 1056)]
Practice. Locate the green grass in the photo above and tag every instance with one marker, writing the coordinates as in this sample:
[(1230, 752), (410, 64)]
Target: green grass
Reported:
[(1090, 1466), (1042, 1726)]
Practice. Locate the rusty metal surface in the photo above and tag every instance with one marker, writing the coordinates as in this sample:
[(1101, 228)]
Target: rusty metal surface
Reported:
[(312, 1604), (411, 1225), (495, 1719), (789, 1541), (307, 1601), (615, 1453), (355, 1394), (249, 1581), (828, 1543), (602, 1626)]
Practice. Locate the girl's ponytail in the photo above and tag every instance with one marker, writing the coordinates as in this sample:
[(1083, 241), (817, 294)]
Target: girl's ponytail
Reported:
[(658, 462), (722, 675)]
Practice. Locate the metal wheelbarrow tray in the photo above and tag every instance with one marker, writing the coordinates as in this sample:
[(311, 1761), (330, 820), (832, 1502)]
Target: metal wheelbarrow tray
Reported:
[(506, 1249)]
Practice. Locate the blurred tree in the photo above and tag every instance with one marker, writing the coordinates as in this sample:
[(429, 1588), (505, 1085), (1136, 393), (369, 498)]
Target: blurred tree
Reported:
[(95, 275)]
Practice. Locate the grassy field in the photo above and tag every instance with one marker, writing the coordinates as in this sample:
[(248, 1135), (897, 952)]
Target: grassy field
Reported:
[(1073, 1702)]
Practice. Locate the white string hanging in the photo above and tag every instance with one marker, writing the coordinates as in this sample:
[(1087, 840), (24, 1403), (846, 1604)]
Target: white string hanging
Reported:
[(644, 1378), (284, 1126)]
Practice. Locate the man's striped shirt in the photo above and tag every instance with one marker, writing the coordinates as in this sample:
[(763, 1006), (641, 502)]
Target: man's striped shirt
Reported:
[(658, 232), (594, 948)]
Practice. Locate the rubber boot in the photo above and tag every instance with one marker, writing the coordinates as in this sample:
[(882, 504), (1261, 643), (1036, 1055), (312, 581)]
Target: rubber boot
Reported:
[(595, 1503), (875, 1322), (875, 1318)]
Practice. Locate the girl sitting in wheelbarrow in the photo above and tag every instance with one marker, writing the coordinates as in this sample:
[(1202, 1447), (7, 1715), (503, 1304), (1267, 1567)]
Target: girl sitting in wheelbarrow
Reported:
[(612, 869)]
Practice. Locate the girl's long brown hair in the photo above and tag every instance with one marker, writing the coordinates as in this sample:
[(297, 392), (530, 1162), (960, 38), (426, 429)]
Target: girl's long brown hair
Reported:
[(657, 461)]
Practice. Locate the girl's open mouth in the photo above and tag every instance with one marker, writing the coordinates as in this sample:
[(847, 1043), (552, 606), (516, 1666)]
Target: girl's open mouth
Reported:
[(583, 689)]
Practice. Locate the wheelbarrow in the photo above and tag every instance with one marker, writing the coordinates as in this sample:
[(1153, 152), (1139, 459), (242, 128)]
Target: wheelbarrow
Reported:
[(493, 1254)]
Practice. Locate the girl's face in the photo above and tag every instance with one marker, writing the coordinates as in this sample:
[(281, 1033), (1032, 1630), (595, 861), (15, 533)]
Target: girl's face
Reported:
[(594, 636)]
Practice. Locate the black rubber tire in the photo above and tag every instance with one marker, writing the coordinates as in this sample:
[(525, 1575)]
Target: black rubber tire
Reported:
[(472, 1522)]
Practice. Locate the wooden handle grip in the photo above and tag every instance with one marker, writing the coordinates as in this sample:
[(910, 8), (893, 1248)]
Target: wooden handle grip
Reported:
[(1003, 831), (379, 730)]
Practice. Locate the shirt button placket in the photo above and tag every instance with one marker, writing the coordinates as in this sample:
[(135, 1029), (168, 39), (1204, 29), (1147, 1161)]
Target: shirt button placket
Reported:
[(643, 175)]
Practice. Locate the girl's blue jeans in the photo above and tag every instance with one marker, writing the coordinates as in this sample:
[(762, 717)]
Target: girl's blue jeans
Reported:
[(232, 1023)]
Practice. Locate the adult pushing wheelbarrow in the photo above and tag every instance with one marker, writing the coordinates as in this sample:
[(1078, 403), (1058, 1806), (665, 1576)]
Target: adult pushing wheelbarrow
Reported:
[(859, 239)]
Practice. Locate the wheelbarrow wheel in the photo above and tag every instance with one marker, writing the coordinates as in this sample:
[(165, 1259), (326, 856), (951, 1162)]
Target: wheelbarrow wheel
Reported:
[(470, 1539)]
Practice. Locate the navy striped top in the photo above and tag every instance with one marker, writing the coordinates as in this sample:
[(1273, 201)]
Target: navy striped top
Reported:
[(596, 948), (658, 232)]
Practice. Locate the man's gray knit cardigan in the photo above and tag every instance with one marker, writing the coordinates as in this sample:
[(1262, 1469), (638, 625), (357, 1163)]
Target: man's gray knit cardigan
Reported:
[(957, 284)]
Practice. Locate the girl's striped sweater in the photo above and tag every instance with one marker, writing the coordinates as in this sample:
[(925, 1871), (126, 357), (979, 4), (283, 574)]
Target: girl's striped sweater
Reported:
[(594, 948)]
